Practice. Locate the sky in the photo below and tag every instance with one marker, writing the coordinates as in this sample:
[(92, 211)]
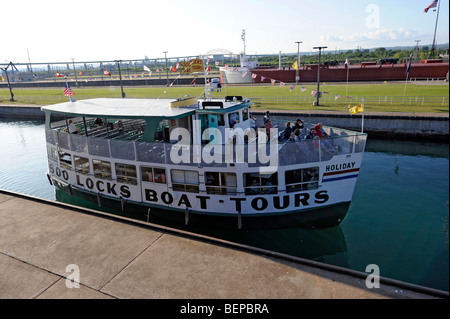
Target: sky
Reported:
[(93, 30)]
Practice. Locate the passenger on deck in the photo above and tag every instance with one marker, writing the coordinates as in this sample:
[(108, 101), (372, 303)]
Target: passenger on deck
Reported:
[(298, 125), (253, 123), (98, 121), (72, 128), (311, 134), (266, 117), (320, 132), (268, 126), (298, 135), (292, 137), (287, 131)]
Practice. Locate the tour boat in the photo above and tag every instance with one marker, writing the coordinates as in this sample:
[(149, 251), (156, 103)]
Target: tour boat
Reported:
[(200, 162)]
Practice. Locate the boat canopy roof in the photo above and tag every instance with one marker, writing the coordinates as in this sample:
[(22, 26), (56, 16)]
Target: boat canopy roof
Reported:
[(139, 108), (117, 107)]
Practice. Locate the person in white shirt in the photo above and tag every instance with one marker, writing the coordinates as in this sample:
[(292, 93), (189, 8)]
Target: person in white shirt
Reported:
[(72, 128)]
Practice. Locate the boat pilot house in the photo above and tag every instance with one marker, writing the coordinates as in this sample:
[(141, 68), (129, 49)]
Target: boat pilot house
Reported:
[(199, 161)]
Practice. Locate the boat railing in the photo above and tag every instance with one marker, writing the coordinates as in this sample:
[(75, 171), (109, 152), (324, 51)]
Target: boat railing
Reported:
[(279, 153)]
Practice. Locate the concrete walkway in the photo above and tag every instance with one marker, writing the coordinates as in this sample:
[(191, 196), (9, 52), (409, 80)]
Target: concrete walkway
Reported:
[(39, 239)]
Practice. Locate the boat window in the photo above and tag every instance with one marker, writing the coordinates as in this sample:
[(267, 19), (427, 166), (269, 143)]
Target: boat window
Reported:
[(162, 131), (220, 120), (153, 174), (57, 121), (185, 181), (126, 173), (102, 169), (302, 179), (245, 114), (65, 160), (52, 153), (233, 118), (82, 165), (220, 183), (258, 183)]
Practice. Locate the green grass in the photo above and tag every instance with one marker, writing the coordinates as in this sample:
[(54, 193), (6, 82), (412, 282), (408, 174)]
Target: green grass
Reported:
[(383, 97)]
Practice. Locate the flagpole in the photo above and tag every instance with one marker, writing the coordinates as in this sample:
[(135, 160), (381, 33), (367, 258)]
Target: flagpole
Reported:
[(346, 90), (435, 29), (362, 120), (407, 76), (404, 90)]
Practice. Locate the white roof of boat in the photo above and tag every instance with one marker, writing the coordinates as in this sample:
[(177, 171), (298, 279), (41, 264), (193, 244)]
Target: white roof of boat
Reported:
[(101, 107)]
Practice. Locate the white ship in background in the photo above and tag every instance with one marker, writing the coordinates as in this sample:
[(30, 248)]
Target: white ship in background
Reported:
[(242, 74)]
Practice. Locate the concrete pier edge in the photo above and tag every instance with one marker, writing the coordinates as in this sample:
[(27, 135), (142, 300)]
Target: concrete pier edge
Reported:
[(246, 248)]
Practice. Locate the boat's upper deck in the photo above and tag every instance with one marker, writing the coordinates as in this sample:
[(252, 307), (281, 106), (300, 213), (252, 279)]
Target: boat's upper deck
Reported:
[(117, 107), (139, 108)]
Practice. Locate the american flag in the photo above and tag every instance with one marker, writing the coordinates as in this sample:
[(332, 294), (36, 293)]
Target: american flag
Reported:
[(431, 5), (67, 90)]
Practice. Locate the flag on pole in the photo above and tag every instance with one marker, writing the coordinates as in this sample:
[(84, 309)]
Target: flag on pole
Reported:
[(346, 63), (254, 75), (431, 5), (59, 75), (106, 73), (303, 89), (263, 78), (356, 109), (272, 81), (291, 87), (336, 97), (295, 66), (313, 92), (68, 92)]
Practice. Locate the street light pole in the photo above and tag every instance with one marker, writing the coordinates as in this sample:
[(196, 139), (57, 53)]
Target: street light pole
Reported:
[(120, 78), (297, 72), (75, 73), (417, 50), (318, 93), (167, 68)]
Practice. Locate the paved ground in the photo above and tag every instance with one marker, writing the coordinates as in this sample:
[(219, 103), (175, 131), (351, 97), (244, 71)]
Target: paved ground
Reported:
[(118, 259)]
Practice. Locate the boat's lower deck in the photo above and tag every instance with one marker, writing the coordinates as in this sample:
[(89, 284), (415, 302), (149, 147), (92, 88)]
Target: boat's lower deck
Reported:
[(326, 216)]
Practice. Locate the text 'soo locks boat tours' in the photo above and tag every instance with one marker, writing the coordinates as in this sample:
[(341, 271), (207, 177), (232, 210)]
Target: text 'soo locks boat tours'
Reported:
[(199, 162)]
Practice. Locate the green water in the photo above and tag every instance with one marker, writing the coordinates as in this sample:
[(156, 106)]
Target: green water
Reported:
[(398, 218)]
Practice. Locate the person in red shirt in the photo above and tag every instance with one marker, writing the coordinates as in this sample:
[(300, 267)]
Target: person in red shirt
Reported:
[(320, 132)]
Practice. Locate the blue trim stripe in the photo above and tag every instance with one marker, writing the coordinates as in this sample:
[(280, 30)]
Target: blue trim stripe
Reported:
[(339, 178)]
